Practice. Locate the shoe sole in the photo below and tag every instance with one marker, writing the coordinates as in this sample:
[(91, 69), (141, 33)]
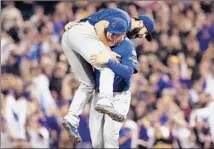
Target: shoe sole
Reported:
[(72, 136), (115, 116)]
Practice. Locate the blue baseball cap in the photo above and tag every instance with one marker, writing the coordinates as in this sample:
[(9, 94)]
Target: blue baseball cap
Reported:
[(116, 26), (150, 25)]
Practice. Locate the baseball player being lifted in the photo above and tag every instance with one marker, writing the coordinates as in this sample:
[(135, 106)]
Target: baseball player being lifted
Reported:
[(90, 36), (103, 130)]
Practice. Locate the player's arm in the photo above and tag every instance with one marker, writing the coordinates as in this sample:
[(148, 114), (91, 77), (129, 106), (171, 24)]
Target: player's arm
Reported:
[(100, 30), (124, 71)]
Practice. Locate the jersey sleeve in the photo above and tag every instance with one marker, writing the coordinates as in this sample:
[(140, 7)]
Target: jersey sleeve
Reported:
[(130, 59), (124, 71)]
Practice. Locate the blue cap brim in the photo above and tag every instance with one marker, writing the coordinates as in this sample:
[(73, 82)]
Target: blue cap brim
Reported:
[(113, 31), (148, 36)]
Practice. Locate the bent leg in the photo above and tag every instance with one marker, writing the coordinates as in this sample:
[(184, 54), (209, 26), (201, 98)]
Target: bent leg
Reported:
[(84, 73)]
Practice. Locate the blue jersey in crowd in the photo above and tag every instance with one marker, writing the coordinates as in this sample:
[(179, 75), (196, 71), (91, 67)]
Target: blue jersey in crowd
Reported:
[(129, 59), (124, 132), (108, 14), (84, 129)]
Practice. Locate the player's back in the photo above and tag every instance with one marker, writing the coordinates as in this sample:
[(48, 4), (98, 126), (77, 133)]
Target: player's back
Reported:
[(129, 58), (108, 14)]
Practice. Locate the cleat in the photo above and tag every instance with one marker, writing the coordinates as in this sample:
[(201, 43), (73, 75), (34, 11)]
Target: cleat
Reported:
[(109, 110), (72, 131)]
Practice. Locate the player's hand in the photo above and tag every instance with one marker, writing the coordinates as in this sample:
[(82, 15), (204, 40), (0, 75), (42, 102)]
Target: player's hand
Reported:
[(116, 57), (99, 59), (70, 24), (102, 58)]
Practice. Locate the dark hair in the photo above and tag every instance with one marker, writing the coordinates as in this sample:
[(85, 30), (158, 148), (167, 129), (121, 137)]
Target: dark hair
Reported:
[(133, 33)]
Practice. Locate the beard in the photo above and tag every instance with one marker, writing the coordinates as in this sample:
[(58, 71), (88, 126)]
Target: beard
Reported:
[(133, 33)]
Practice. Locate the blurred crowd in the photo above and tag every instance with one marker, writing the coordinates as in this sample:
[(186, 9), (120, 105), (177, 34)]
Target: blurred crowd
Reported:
[(172, 95)]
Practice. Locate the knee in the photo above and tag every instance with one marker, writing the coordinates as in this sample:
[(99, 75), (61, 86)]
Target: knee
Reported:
[(87, 87)]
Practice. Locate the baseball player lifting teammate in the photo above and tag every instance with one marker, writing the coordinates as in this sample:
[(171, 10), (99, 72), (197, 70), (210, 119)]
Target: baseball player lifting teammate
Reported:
[(90, 36), (104, 130)]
